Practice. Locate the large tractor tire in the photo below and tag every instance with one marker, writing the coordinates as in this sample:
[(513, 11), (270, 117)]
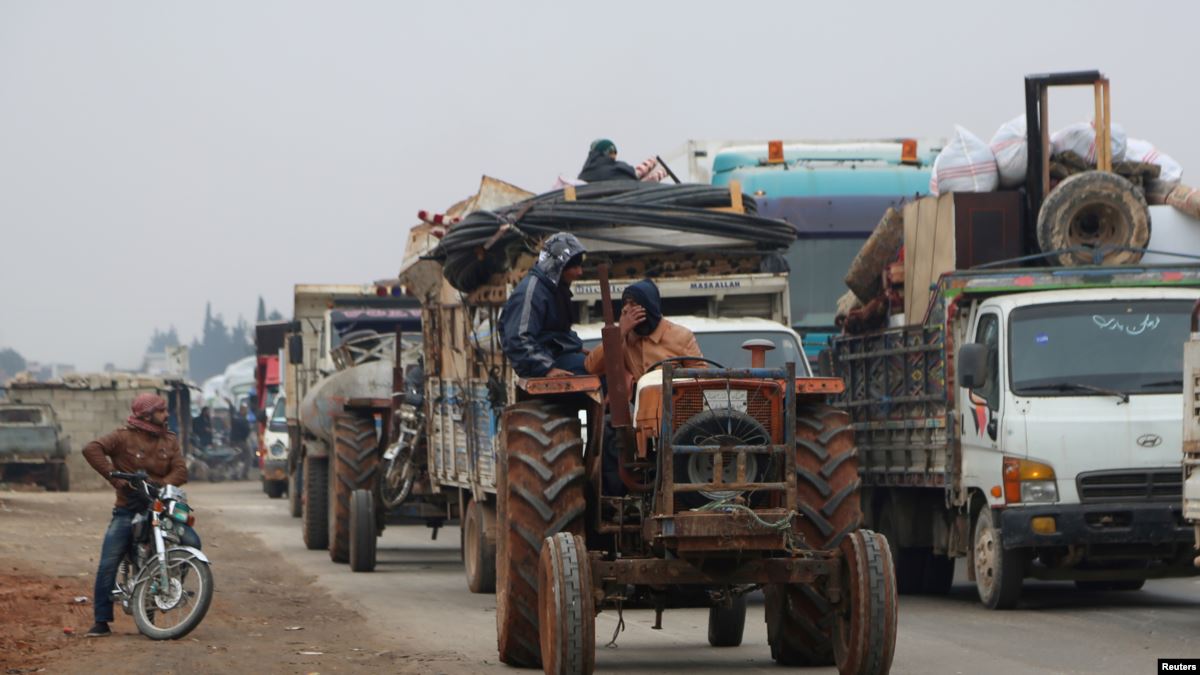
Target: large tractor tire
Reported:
[(479, 547), (363, 531), (998, 571), (799, 625), (295, 490), (799, 617), (827, 476), (1093, 209), (865, 632), (566, 613), (356, 458), (540, 494), (315, 517)]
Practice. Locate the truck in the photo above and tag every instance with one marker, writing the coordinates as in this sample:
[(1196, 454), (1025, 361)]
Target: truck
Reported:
[(710, 454), (32, 446), (343, 351), (1024, 413), (831, 191)]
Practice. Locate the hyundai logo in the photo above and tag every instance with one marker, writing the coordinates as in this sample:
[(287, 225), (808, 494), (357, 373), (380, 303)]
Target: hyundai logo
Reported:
[(1149, 440)]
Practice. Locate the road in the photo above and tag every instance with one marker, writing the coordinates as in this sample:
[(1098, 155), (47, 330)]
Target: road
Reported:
[(418, 595)]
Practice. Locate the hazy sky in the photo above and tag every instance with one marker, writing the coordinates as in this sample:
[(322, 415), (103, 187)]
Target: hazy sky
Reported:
[(155, 155)]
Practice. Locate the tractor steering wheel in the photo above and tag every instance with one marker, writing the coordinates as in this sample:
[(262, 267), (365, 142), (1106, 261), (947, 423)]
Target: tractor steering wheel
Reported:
[(681, 359)]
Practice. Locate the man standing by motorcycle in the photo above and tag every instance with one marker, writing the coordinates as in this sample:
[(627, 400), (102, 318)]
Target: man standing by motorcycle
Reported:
[(143, 444)]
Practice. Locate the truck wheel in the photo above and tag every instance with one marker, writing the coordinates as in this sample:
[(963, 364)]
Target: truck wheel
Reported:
[(478, 548), (727, 624), (865, 632), (362, 531), (275, 489), (316, 508), (295, 491), (1094, 208), (566, 614), (799, 625), (827, 476), (998, 572), (540, 494), (356, 456), (60, 478)]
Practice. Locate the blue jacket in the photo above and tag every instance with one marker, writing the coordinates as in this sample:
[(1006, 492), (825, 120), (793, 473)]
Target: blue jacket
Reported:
[(535, 325)]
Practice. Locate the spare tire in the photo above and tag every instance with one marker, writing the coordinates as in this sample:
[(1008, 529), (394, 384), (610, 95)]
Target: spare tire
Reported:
[(1090, 210)]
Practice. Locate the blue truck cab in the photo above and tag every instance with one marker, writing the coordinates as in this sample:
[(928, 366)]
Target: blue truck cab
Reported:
[(833, 193)]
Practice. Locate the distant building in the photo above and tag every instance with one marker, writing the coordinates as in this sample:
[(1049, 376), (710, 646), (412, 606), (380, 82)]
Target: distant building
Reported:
[(45, 372)]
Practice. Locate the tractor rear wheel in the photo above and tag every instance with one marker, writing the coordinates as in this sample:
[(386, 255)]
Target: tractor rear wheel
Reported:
[(356, 456), (315, 517), (799, 625), (827, 476), (540, 494), (478, 548), (865, 632), (566, 613), (727, 624)]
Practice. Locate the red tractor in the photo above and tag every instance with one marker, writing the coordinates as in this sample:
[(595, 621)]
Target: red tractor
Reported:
[(732, 480)]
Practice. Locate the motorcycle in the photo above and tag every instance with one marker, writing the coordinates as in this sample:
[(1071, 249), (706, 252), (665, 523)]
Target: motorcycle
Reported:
[(167, 587)]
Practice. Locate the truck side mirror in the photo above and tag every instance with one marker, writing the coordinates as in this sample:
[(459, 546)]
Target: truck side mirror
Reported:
[(972, 365), (295, 349)]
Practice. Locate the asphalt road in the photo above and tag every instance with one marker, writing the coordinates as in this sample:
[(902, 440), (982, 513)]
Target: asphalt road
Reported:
[(418, 594)]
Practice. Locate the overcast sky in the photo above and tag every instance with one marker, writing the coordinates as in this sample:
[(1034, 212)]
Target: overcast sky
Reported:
[(155, 155)]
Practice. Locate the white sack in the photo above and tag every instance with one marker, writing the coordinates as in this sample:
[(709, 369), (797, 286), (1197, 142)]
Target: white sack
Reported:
[(1137, 150), (966, 164), (1012, 152), (1080, 138)]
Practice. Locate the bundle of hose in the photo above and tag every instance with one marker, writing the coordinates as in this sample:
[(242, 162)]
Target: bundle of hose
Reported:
[(865, 277)]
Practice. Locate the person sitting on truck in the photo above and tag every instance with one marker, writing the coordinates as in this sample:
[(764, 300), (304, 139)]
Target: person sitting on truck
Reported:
[(143, 444), (649, 338), (601, 164), (535, 325)]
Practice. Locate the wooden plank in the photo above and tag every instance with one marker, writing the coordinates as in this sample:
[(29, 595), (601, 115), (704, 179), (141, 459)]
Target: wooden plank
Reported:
[(943, 255), (911, 217), (917, 292), (735, 196)]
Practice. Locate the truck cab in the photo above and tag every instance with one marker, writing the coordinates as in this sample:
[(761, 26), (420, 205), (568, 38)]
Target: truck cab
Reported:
[(32, 447), (1069, 427)]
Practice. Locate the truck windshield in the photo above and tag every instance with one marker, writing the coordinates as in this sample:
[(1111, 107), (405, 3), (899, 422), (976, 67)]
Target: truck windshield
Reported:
[(20, 416), (278, 420), (1110, 347), (726, 349)]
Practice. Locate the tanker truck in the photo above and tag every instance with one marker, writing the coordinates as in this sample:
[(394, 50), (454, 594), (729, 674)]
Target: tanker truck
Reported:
[(342, 357)]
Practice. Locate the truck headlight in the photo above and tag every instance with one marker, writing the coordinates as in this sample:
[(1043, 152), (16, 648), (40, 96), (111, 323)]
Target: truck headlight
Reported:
[(1039, 492), (278, 449), (1029, 482)]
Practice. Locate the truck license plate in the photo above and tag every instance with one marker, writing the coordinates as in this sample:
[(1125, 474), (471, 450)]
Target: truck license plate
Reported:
[(719, 398)]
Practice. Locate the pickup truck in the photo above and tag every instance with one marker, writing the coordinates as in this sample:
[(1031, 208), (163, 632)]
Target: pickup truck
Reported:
[(32, 447)]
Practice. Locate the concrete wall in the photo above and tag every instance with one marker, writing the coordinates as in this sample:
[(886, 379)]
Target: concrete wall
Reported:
[(85, 414)]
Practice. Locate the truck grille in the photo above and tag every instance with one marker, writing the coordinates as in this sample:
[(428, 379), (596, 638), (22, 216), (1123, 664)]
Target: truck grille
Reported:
[(1125, 485)]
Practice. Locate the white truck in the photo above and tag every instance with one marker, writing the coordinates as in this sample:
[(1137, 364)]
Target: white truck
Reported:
[(1032, 424), (1191, 428)]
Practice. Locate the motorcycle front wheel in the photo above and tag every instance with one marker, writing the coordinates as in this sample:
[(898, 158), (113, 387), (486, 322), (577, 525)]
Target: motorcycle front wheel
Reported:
[(172, 612)]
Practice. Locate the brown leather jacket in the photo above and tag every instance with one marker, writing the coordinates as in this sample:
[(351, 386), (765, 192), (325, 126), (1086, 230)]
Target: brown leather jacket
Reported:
[(669, 339), (132, 450)]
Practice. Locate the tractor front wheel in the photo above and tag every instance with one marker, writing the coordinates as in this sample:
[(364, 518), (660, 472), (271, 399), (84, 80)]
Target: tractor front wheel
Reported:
[(566, 613), (865, 632)]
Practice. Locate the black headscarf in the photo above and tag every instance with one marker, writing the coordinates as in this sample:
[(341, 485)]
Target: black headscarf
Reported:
[(645, 293)]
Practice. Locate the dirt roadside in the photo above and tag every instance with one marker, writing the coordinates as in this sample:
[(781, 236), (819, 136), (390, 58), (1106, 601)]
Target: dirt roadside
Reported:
[(264, 615)]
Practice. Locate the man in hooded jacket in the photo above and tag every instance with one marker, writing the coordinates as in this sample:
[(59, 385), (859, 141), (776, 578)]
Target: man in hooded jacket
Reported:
[(535, 325), (648, 336), (143, 444)]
